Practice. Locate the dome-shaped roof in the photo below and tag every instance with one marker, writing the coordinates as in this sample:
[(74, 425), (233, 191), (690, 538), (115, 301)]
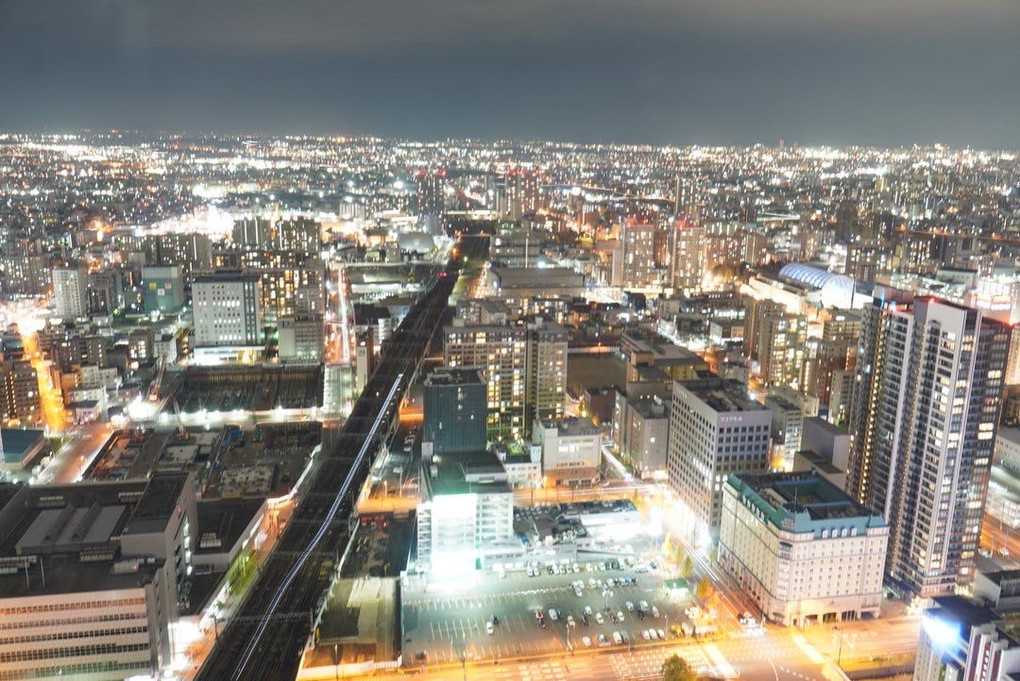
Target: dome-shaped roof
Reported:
[(836, 289)]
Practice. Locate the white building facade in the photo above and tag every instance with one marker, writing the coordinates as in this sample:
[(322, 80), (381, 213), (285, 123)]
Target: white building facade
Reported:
[(804, 551)]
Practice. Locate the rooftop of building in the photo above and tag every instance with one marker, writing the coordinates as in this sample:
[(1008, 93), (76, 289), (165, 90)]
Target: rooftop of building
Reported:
[(227, 277), (820, 462), (221, 522), (819, 423), (18, 440), (722, 395), (803, 502), (957, 610), (475, 473), (1011, 435), (450, 376), (663, 350), (571, 426)]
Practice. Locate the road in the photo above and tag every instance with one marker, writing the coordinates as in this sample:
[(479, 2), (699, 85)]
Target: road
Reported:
[(71, 460), (266, 637)]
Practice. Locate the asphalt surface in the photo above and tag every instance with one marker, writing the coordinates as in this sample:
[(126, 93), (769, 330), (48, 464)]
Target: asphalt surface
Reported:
[(447, 622), (265, 638)]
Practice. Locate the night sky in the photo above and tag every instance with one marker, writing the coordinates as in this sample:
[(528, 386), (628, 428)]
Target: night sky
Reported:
[(886, 72)]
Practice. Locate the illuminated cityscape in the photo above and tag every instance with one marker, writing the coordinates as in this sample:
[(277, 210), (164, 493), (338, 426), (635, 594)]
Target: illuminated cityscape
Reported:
[(309, 407), (546, 340)]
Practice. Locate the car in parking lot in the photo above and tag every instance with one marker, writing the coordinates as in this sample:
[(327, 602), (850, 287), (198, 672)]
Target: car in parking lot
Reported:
[(586, 640), (603, 641), (630, 606), (644, 605), (570, 621), (661, 633), (490, 628), (599, 618), (646, 634), (587, 610), (553, 615), (617, 638), (655, 612)]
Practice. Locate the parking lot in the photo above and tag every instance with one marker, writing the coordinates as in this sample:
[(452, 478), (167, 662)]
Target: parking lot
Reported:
[(447, 622)]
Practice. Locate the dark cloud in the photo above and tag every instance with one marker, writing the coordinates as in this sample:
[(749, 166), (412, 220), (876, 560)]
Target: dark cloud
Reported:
[(867, 71)]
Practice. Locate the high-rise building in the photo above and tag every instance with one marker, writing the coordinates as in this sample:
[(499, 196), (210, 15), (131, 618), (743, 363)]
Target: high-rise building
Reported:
[(20, 385), (454, 412), (924, 415), (524, 368), (638, 238), (715, 429), (24, 275), (227, 309), (782, 342), (432, 192), (522, 193), (70, 292), (546, 380), (687, 261)]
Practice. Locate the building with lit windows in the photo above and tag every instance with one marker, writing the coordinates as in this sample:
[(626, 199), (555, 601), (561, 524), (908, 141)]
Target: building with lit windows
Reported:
[(70, 293), (227, 310), (962, 640), (524, 366), (571, 449), (20, 385), (92, 576), (300, 337), (801, 548), (466, 519), (715, 430), (924, 417)]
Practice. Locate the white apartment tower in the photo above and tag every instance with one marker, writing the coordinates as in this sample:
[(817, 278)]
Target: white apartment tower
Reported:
[(70, 292)]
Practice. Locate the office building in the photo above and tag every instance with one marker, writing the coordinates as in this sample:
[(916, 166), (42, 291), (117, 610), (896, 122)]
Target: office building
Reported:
[(715, 430), (571, 449), (546, 380), (300, 338), (643, 434), (226, 308), (70, 293), (466, 519), (93, 577), (962, 640), (455, 412), (924, 417), (802, 549)]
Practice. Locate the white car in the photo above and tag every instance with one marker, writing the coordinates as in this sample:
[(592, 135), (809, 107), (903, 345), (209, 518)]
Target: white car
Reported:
[(489, 628), (630, 606), (619, 615), (586, 641), (553, 615), (655, 612), (646, 635), (644, 605), (570, 621), (599, 618)]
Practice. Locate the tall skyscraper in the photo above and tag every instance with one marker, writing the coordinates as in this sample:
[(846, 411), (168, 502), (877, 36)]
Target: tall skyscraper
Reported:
[(432, 192), (638, 237), (70, 292), (687, 260), (924, 416)]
